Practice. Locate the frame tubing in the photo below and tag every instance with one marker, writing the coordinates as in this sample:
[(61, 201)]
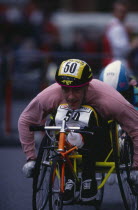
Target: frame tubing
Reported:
[(61, 141), (62, 177)]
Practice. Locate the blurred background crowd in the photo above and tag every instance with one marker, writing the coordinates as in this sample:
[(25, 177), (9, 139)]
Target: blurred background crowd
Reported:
[(35, 36)]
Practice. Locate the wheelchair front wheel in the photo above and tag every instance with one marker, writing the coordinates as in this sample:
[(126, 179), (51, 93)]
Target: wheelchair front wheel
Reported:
[(42, 176), (55, 194)]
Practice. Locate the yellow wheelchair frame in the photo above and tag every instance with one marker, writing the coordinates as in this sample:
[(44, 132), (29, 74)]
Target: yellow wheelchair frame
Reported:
[(110, 166), (52, 165)]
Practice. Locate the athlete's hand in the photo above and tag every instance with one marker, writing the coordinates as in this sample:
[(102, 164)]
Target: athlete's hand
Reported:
[(75, 139), (28, 168)]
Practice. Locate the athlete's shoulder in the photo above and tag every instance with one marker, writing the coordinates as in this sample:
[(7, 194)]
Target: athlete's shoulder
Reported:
[(50, 97), (99, 91), (54, 86), (51, 90), (96, 83)]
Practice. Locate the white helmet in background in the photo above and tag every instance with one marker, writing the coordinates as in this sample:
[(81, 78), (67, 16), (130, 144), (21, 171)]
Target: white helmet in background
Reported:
[(115, 75)]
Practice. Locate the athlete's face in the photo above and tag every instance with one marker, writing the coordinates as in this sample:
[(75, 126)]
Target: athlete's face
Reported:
[(74, 96)]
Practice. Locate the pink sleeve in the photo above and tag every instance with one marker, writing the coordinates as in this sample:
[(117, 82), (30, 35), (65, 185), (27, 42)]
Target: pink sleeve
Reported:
[(34, 113), (30, 116)]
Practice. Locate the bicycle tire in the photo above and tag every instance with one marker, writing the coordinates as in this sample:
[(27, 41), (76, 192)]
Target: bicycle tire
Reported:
[(123, 163), (41, 176), (55, 194)]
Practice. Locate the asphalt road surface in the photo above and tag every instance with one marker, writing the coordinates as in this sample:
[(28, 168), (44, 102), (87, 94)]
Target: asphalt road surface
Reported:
[(16, 190)]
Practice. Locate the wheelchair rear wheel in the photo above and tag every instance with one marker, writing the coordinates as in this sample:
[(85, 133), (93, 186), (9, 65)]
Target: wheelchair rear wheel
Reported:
[(123, 157)]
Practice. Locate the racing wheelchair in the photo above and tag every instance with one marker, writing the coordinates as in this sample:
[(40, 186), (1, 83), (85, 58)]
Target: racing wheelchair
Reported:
[(54, 154)]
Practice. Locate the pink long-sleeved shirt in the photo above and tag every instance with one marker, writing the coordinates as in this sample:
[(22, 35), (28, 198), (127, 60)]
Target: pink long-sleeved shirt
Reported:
[(105, 99)]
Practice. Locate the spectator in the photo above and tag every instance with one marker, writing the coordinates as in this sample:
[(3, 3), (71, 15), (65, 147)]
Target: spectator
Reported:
[(116, 41)]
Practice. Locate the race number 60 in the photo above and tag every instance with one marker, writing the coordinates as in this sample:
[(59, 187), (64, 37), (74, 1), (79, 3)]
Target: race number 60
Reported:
[(70, 67)]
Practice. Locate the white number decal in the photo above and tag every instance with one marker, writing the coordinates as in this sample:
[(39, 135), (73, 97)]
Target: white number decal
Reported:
[(70, 67)]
